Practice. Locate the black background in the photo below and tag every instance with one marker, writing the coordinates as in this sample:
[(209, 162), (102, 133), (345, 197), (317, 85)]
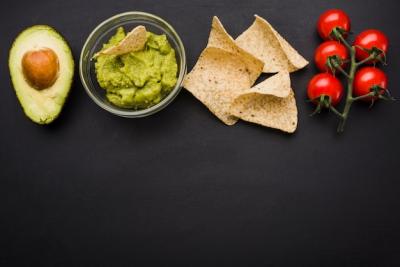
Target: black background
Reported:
[(180, 188)]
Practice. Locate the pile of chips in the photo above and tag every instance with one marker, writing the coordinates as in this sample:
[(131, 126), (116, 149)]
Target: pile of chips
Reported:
[(224, 76)]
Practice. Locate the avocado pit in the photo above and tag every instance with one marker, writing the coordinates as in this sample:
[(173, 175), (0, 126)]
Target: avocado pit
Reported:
[(40, 68)]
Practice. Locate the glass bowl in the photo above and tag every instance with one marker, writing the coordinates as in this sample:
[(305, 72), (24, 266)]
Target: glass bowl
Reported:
[(101, 35)]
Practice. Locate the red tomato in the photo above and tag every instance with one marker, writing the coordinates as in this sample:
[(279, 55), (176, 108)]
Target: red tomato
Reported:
[(366, 78), (325, 84), (369, 39), (331, 19), (327, 49)]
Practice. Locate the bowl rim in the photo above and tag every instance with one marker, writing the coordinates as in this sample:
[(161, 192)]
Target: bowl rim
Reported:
[(163, 103)]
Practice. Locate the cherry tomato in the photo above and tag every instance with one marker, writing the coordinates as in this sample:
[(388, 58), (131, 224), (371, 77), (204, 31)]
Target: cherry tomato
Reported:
[(327, 49), (366, 78), (331, 19), (369, 39), (325, 84)]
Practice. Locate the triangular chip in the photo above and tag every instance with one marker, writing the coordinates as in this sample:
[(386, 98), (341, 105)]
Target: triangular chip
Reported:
[(270, 103), (135, 40), (264, 42), (221, 39)]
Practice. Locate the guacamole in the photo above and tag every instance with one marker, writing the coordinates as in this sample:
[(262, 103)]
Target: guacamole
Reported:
[(140, 79)]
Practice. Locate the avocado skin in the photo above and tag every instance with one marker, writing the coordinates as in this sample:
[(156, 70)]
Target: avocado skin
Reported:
[(71, 65)]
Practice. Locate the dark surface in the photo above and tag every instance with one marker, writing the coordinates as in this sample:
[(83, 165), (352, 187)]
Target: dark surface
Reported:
[(182, 189)]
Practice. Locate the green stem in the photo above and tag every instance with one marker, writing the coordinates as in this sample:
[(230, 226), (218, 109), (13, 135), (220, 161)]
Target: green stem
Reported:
[(341, 38), (339, 68), (350, 78), (335, 111), (365, 60), (363, 96), (349, 97)]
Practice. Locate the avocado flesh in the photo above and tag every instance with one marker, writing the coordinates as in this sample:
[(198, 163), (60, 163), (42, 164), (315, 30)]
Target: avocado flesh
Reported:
[(41, 106)]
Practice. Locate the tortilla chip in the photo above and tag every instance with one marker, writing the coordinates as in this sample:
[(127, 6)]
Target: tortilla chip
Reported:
[(221, 39), (264, 42), (135, 40), (216, 79), (270, 103)]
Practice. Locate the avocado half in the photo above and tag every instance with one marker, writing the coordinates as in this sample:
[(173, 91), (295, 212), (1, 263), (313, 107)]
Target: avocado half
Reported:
[(41, 105)]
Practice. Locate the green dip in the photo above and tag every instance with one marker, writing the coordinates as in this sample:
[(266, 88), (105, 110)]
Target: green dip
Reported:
[(140, 79)]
